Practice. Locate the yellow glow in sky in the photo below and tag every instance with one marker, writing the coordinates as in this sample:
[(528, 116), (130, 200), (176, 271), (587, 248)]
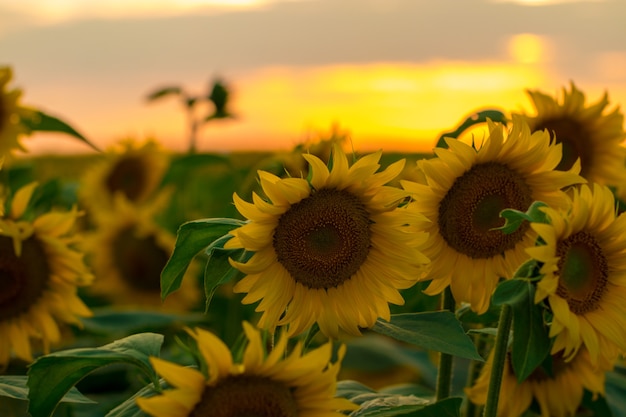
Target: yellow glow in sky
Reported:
[(527, 48)]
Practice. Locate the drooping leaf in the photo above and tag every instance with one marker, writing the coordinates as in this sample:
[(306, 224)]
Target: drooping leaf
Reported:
[(473, 119), (531, 342), (43, 122), (163, 92), (52, 376), (440, 331), (191, 239)]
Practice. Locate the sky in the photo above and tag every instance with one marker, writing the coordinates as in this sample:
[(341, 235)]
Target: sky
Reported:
[(391, 74)]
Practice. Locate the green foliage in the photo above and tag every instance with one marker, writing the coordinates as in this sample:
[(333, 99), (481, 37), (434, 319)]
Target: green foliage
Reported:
[(44, 122), (473, 119), (52, 376), (191, 239), (531, 343), (514, 218), (435, 330)]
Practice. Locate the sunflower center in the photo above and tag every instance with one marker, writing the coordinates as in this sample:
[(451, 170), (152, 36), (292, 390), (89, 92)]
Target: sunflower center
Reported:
[(583, 272), (575, 140), (472, 206), (23, 279), (139, 260), (129, 177), (323, 240), (246, 396)]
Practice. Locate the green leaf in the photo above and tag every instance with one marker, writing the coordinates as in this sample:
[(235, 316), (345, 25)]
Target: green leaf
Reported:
[(531, 343), (14, 386), (165, 91), (433, 330), (191, 239), (43, 122), (598, 406), (389, 405), (513, 219), (129, 408), (218, 270), (52, 376), (473, 119)]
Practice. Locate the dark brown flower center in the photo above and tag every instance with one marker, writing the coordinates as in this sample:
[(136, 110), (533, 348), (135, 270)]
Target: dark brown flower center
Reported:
[(583, 272), (128, 176), (139, 260), (472, 206), (575, 139), (324, 239), (23, 279), (246, 396)]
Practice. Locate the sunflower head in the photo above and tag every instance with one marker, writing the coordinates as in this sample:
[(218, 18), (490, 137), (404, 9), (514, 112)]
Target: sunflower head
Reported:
[(40, 271), (261, 384), (10, 114), (127, 250), (130, 169), (582, 253), (588, 132), (557, 392), (462, 192), (335, 249)]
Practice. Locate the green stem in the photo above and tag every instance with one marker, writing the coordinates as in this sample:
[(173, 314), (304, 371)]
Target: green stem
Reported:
[(444, 373), (499, 356)]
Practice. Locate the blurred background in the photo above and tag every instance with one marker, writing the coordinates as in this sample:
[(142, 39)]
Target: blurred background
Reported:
[(391, 73)]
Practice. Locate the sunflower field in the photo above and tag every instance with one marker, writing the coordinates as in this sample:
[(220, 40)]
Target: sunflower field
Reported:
[(487, 278)]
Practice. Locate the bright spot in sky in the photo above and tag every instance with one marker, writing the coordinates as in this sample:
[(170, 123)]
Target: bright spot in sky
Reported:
[(527, 48)]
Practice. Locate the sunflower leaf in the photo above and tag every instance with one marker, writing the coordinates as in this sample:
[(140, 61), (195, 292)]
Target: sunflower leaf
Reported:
[(192, 237), (129, 408), (43, 122), (440, 331), (531, 343), (52, 376), (14, 386), (513, 219)]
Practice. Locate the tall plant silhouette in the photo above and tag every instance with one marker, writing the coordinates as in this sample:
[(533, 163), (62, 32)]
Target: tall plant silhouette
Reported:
[(217, 97)]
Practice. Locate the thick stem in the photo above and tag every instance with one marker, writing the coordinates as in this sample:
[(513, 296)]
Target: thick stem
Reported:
[(444, 374), (499, 359)]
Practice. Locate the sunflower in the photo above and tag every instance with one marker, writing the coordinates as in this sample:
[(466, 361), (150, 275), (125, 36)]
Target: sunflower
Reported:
[(10, 114), (462, 193), (586, 132), (333, 250), (127, 250), (584, 273), (40, 272), (558, 393), (278, 384), (131, 169)]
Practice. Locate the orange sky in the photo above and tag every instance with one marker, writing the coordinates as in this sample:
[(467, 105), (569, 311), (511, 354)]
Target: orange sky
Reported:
[(389, 105)]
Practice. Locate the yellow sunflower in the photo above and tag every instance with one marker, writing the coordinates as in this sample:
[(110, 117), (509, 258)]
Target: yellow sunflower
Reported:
[(334, 250), (558, 394), (10, 113), (127, 250), (462, 194), (586, 132), (279, 384), (584, 273), (131, 169), (40, 272)]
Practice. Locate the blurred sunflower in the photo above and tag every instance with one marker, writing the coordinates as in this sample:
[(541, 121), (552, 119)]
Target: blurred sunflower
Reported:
[(279, 384), (586, 132), (334, 250), (463, 192), (558, 393), (131, 169), (127, 250), (584, 269), (10, 113), (40, 272)]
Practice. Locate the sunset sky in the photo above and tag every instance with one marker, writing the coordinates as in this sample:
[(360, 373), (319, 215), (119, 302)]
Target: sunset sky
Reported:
[(392, 73)]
